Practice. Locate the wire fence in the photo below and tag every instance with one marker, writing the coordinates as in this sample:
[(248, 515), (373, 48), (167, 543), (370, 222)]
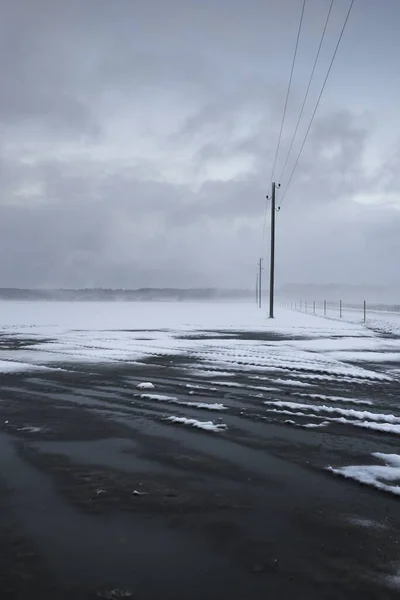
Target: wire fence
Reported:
[(339, 309)]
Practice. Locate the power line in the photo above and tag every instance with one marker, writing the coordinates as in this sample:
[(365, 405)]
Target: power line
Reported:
[(318, 101), (307, 91), (283, 117), (288, 90)]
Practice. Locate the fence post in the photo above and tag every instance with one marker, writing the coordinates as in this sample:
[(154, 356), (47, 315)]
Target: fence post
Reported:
[(340, 308), (301, 305), (365, 311), (305, 306), (324, 308), (314, 307)]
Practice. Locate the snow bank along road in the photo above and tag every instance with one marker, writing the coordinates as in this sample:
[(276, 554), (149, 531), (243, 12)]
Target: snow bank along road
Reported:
[(180, 449)]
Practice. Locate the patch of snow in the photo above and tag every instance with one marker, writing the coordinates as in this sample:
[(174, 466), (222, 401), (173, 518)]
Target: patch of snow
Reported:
[(206, 425), (367, 356), (265, 389), (306, 425), (145, 385), (209, 373), (384, 427), (159, 397), (375, 475), (325, 398), (174, 400), (393, 581), (30, 429), (349, 412), (292, 382), (204, 405), (367, 523), (10, 366)]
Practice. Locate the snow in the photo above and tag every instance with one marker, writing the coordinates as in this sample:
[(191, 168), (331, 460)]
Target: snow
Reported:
[(30, 429), (9, 366), (378, 320), (205, 405), (375, 426), (294, 382), (337, 344), (393, 581), (159, 397), (375, 475), (54, 318), (306, 425), (383, 321), (146, 385), (326, 398), (206, 425), (385, 427), (143, 318), (313, 351), (174, 400), (367, 356), (350, 412)]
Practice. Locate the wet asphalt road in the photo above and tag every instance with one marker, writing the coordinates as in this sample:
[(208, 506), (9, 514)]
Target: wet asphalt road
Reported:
[(103, 497)]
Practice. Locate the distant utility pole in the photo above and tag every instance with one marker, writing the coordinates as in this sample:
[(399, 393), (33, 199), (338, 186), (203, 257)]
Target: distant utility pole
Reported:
[(257, 299), (272, 263), (260, 282)]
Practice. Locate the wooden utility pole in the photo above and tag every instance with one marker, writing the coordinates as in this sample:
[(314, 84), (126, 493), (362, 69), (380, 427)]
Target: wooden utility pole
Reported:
[(260, 282), (272, 263), (257, 296)]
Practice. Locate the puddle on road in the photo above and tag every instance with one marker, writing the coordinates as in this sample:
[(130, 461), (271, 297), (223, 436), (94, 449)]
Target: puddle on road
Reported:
[(121, 550), (114, 453)]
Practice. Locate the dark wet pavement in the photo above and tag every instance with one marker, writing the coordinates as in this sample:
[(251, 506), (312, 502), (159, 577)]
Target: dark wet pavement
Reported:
[(111, 498)]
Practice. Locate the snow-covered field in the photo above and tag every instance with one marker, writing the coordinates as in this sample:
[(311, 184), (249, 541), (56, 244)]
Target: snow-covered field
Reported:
[(297, 370), (129, 331), (383, 321)]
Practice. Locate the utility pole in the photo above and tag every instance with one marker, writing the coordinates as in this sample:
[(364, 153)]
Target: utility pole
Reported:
[(260, 282), (257, 288), (272, 263)]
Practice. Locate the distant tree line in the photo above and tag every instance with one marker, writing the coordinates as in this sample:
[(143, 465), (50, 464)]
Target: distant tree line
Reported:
[(125, 295)]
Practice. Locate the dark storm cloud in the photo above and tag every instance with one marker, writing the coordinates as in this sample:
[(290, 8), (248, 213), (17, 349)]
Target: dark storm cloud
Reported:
[(137, 143)]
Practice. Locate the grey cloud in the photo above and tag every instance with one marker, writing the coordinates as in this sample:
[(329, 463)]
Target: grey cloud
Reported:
[(71, 217), (122, 231), (331, 166)]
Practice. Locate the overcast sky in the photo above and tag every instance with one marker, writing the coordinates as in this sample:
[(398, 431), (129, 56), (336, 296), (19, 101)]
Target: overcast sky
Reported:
[(137, 140)]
